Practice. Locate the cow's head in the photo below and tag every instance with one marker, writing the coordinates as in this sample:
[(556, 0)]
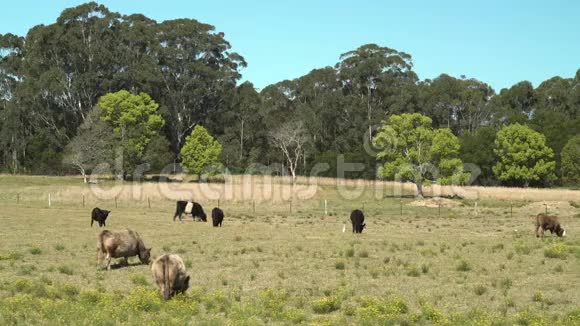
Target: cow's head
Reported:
[(559, 231), (362, 227), (145, 255)]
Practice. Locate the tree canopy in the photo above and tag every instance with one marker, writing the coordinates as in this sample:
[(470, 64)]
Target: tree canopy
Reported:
[(414, 151), (52, 78), (523, 157)]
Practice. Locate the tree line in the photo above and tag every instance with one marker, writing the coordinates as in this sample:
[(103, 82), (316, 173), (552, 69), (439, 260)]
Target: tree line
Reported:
[(63, 87)]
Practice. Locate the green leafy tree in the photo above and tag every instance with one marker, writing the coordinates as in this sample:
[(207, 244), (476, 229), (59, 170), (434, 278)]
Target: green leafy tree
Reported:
[(135, 122), (200, 152), (571, 161), (416, 152), (523, 156)]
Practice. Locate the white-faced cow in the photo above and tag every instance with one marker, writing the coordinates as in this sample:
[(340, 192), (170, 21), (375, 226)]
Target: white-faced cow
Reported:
[(170, 275), (99, 215), (189, 207), (357, 218), (217, 217), (547, 222), (121, 244)]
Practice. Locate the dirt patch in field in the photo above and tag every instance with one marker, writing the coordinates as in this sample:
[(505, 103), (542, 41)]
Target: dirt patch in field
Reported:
[(434, 202)]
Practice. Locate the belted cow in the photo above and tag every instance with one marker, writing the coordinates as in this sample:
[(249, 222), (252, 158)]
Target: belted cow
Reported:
[(189, 207)]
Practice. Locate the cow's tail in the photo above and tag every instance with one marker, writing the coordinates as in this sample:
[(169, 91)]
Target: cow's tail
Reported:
[(166, 290)]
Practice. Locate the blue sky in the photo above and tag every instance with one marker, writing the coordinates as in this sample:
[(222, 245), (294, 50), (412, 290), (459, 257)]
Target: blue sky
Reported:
[(498, 42)]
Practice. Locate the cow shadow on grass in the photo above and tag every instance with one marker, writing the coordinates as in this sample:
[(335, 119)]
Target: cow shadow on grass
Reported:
[(122, 265)]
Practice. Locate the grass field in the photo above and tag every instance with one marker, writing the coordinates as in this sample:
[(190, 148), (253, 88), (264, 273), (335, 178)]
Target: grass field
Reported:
[(282, 261)]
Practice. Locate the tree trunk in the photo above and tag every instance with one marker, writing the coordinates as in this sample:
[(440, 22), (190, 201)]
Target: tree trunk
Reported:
[(419, 190), (242, 141)]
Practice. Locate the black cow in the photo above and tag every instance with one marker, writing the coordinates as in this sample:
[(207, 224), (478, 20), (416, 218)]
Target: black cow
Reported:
[(357, 218), (99, 215), (217, 217), (189, 207)]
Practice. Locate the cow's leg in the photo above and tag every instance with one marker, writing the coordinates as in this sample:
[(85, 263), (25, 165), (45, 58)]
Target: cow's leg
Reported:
[(108, 257), (125, 261), (538, 231), (541, 229), (104, 224), (92, 222)]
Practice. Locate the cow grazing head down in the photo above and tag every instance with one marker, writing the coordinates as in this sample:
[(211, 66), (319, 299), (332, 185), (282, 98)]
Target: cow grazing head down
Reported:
[(189, 207), (547, 222), (100, 216), (121, 244), (170, 275), (357, 218)]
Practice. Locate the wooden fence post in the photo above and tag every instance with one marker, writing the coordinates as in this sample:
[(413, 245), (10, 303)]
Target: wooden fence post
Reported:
[(116, 206), (18, 198), (49, 201), (325, 207), (83, 200), (401, 204), (148, 202)]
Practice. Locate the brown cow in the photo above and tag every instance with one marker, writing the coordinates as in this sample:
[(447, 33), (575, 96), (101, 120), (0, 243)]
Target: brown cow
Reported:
[(122, 244), (170, 275), (547, 222)]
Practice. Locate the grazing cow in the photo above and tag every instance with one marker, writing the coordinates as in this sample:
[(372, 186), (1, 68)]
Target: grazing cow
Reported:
[(99, 215), (189, 207), (357, 218), (217, 217), (547, 222), (170, 275), (121, 244)]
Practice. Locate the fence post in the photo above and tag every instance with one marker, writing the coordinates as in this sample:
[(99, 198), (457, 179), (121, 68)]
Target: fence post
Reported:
[(116, 206), (254, 206), (325, 207), (148, 202), (83, 200), (511, 209), (476, 213), (18, 198), (49, 201), (290, 207), (218, 203), (401, 204), (546, 208), (439, 209)]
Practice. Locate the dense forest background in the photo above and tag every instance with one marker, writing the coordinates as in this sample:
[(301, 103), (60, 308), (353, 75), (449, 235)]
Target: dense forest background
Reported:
[(52, 78)]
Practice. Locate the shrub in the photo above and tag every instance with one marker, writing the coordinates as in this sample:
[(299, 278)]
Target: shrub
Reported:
[(143, 299), (35, 251), (463, 266), (480, 290), (339, 265), (65, 269), (558, 250), (349, 252), (380, 311), (413, 271), (58, 247), (363, 254), (325, 305)]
